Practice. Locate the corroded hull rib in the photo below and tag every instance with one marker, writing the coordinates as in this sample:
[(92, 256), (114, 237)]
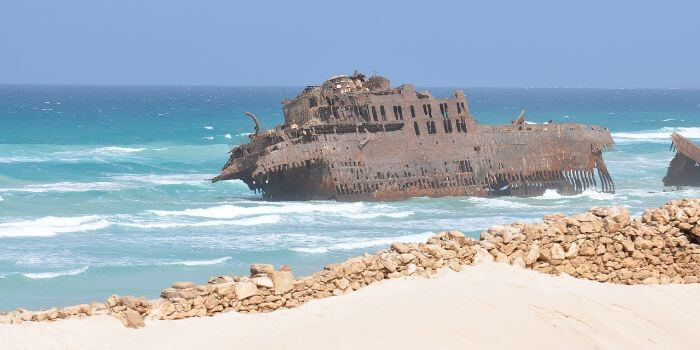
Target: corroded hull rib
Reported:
[(684, 169), (353, 139)]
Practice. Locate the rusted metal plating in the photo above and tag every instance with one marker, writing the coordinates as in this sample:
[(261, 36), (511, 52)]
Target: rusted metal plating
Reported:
[(356, 138), (684, 169)]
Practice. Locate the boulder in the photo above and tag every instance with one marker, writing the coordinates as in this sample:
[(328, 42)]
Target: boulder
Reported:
[(263, 281), (245, 290), (132, 319), (557, 252), (282, 281), (388, 264), (533, 254), (183, 285), (258, 269), (401, 248)]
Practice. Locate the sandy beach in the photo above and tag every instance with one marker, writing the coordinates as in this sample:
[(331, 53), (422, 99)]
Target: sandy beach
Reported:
[(487, 306)]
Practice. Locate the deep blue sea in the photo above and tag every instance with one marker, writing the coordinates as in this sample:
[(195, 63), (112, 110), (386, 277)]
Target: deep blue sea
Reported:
[(104, 189)]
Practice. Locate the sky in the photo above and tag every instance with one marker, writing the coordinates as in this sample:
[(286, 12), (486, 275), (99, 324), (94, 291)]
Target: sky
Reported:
[(536, 43)]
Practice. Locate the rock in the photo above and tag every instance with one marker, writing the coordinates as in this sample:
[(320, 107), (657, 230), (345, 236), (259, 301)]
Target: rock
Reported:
[(557, 252), (112, 301), (259, 269), (533, 254), (411, 268), (455, 266), (651, 280), (245, 290), (183, 285), (395, 274), (224, 289), (501, 258), (401, 248), (342, 283), (627, 245), (285, 268), (282, 281), (519, 262), (482, 255), (132, 319), (388, 264), (263, 281), (572, 252)]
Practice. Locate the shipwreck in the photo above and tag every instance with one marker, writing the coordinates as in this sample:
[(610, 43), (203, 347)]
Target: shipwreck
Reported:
[(357, 138), (684, 169)]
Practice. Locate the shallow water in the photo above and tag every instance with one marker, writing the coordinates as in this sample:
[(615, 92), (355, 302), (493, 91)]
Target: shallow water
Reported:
[(104, 189)]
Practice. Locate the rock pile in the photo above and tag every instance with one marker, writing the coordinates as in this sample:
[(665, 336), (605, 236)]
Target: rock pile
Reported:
[(602, 244)]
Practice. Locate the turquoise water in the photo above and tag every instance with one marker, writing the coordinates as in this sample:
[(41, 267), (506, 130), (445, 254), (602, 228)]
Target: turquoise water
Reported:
[(103, 189)]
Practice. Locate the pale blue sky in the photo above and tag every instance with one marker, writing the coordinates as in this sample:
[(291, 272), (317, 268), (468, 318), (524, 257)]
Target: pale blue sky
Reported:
[(430, 43)]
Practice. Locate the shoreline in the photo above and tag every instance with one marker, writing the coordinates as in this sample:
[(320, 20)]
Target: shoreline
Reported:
[(487, 306), (603, 244)]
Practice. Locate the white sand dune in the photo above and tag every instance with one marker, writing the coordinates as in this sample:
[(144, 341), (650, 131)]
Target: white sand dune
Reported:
[(490, 306)]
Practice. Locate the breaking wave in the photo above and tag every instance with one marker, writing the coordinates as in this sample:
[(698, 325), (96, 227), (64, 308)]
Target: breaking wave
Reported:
[(117, 150), (52, 225), (231, 211), (66, 187), (496, 203), (589, 193), (47, 275), (359, 243), (200, 262), (259, 220), (656, 136)]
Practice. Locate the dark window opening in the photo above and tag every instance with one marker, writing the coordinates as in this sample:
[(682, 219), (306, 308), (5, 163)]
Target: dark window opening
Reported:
[(328, 101), (447, 115), (415, 127), (430, 111), (413, 112), (442, 110), (313, 102), (459, 108), (447, 125), (425, 110), (374, 113), (382, 112), (335, 111), (396, 113), (464, 109), (400, 112), (431, 127)]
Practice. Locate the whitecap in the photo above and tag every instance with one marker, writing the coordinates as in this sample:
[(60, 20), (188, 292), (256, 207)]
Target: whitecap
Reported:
[(258, 220), (658, 135), (244, 134), (228, 136), (668, 120), (588, 193), (159, 149), (52, 225), (64, 187), (231, 211), (1, 199), (395, 215), (496, 203), (209, 127), (117, 150), (353, 243), (208, 137), (164, 179), (200, 262), (46, 275)]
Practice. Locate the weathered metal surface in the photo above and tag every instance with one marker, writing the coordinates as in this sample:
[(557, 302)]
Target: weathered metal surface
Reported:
[(354, 138), (684, 169)]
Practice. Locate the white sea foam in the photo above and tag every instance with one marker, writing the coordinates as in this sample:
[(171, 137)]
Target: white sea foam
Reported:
[(46, 275), (52, 225), (359, 243), (396, 215), (209, 127), (244, 134), (258, 220), (164, 179), (496, 203), (231, 211), (1, 199), (117, 150), (656, 136), (228, 136), (66, 187), (589, 193), (208, 137), (668, 120), (200, 262), (159, 149)]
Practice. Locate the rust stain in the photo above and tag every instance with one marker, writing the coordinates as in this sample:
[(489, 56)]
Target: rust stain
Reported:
[(684, 169), (357, 138)]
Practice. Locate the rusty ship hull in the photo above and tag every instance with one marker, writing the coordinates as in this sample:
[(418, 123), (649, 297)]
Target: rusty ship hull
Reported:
[(684, 169), (392, 144)]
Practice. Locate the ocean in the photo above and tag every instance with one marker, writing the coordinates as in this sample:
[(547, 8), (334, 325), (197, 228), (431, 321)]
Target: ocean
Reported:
[(104, 190)]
